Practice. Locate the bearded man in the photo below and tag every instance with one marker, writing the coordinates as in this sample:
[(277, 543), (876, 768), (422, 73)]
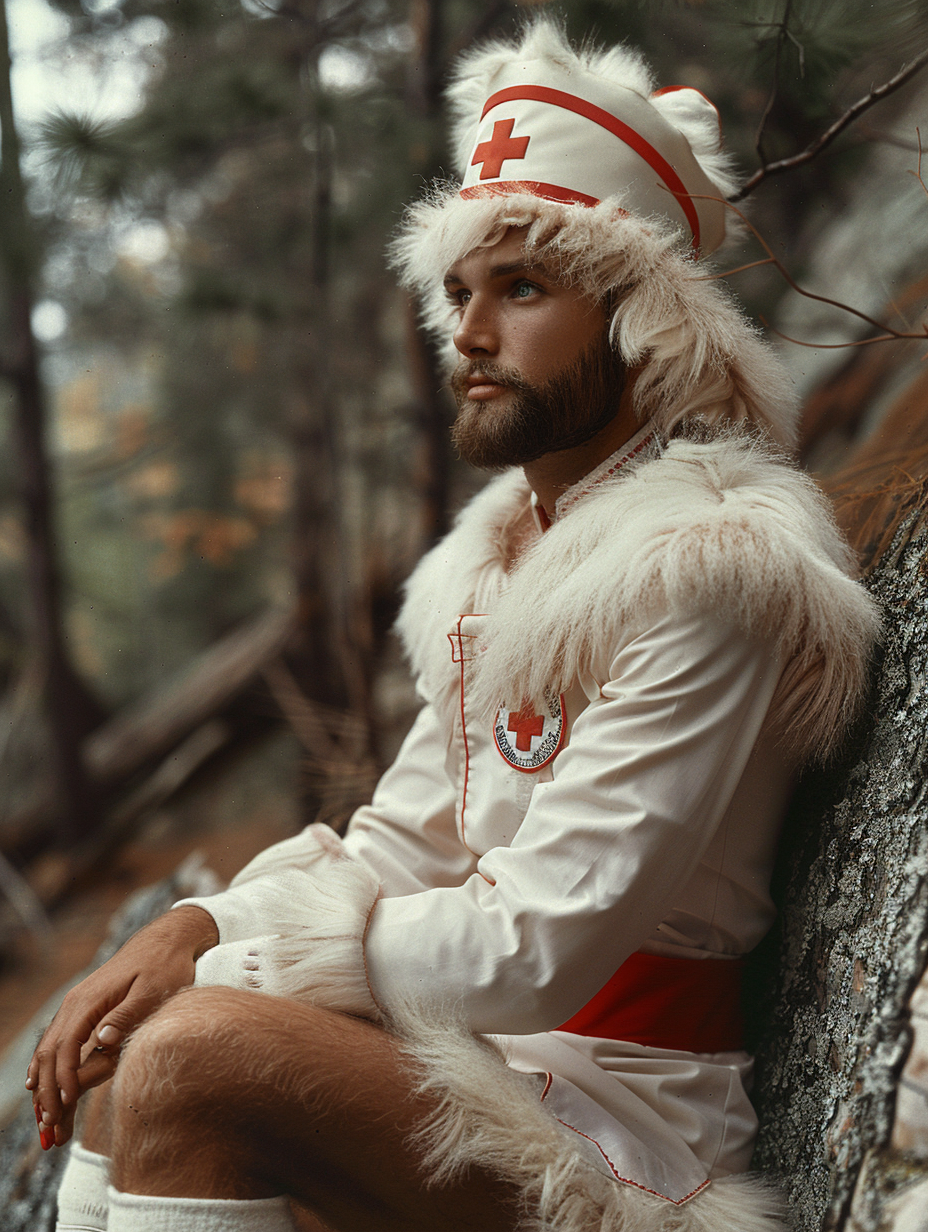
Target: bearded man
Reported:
[(510, 996)]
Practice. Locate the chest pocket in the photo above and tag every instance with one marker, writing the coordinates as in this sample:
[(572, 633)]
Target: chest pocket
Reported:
[(499, 760)]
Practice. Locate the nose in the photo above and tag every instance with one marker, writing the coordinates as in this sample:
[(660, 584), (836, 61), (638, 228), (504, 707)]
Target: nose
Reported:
[(475, 334)]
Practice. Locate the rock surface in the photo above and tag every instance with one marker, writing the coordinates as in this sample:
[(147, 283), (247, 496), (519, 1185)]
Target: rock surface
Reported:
[(28, 1175)]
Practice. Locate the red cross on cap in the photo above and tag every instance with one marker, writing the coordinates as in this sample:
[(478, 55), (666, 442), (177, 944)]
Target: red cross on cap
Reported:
[(501, 146)]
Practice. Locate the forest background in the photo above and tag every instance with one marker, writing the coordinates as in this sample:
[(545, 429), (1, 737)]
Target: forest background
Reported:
[(224, 443)]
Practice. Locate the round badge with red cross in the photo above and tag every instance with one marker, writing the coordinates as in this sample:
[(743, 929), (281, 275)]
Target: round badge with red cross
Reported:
[(529, 740)]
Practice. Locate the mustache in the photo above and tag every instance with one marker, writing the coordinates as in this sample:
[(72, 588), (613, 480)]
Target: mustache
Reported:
[(497, 373)]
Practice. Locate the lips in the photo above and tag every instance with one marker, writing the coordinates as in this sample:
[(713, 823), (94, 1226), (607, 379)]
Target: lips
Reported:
[(482, 381), (480, 387)]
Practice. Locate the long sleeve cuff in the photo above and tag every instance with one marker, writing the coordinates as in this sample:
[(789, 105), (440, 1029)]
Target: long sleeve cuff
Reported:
[(235, 910), (308, 934)]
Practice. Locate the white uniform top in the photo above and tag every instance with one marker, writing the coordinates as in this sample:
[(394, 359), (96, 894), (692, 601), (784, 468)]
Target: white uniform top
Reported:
[(513, 896)]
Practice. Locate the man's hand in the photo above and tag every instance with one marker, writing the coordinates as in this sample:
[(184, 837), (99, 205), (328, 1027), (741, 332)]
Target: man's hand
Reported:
[(80, 1047)]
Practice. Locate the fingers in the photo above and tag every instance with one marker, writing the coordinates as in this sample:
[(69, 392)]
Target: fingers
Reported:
[(55, 1107), (81, 1046), (54, 1135), (97, 1067), (46, 1094), (53, 1071), (74, 1056), (63, 1076), (46, 1133), (64, 1130), (61, 1070)]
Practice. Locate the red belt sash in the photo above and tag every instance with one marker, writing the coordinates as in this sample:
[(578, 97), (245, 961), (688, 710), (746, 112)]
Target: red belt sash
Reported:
[(693, 1004)]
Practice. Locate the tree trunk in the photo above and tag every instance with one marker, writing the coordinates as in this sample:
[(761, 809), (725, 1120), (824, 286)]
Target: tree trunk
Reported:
[(854, 935), (70, 711), (432, 470)]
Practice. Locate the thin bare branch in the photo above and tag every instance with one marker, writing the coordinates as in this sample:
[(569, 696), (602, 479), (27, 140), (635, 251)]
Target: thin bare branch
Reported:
[(739, 269), (782, 30), (887, 331), (815, 148), (837, 346), (918, 173)]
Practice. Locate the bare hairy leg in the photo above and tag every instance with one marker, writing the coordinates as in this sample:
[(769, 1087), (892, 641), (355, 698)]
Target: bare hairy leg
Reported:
[(230, 1094), (95, 1119)]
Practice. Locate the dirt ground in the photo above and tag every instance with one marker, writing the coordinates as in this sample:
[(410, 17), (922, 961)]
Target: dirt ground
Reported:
[(229, 821)]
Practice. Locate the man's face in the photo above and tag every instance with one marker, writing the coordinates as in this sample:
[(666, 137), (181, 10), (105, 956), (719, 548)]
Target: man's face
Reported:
[(537, 374)]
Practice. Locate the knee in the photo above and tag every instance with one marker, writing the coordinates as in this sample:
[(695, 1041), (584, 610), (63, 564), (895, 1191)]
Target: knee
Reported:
[(178, 1056), (173, 1080), (174, 1084)]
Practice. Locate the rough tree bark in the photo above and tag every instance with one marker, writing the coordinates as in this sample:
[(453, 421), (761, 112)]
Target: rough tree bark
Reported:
[(29, 1177), (855, 926), (854, 923)]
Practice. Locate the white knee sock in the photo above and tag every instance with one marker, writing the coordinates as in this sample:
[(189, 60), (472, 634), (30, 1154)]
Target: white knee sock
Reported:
[(82, 1202), (138, 1213)]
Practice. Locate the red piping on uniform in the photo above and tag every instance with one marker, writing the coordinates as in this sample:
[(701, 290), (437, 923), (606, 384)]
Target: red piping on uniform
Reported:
[(618, 1176), (535, 188), (459, 636)]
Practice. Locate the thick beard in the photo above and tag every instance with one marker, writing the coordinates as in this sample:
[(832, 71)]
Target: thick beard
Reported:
[(566, 411)]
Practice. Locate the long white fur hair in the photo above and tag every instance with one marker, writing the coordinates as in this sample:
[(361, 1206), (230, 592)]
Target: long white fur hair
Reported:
[(698, 352)]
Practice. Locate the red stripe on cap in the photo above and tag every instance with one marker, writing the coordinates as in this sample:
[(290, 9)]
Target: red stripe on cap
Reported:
[(553, 192), (626, 134)]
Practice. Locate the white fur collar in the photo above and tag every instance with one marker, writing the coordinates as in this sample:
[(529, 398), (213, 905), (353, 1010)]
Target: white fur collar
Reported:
[(721, 525)]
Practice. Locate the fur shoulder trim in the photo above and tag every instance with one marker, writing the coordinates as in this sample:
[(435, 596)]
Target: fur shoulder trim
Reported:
[(722, 526)]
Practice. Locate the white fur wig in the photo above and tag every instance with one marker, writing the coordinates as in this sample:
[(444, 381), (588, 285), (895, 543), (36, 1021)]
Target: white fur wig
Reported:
[(699, 353)]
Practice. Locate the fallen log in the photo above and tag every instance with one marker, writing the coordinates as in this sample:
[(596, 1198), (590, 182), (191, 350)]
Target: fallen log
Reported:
[(139, 738)]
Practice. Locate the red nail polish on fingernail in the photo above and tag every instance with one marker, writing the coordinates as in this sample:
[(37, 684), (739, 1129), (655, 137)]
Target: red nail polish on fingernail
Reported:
[(47, 1138)]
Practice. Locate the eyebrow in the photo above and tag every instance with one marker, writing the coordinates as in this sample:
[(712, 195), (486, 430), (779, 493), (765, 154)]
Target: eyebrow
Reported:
[(502, 271)]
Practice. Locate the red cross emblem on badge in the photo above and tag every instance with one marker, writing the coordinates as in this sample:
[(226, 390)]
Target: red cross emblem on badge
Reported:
[(525, 724), (538, 737), (501, 146)]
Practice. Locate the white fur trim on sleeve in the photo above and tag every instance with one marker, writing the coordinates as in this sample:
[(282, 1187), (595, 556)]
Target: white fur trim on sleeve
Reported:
[(234, 910), (316, 844), (315, 952)]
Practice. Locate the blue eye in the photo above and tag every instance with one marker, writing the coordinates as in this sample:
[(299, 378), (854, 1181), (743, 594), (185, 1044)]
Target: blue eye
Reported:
[(523, 289)]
